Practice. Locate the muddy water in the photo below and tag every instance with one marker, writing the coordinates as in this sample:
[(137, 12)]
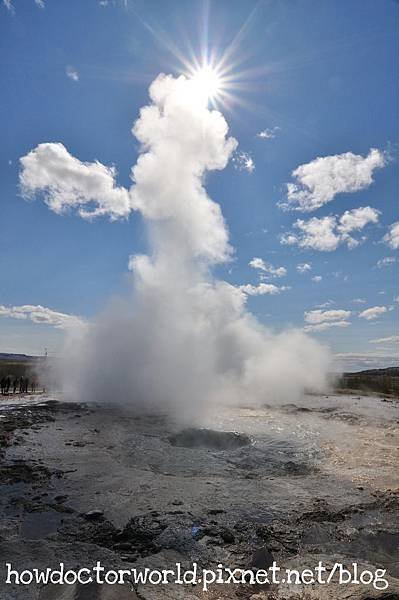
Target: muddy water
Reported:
[(304, 481)]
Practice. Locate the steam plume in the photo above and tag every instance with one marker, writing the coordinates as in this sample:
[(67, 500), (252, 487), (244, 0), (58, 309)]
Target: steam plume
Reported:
[(184, 338)]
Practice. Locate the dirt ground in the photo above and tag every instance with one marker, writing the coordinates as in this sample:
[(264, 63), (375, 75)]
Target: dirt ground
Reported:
[(240, 487)]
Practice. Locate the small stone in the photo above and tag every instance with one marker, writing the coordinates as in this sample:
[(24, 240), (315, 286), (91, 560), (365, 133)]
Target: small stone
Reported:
[(227, 536), (93, 515), (129, 558), (122, 546), (60, 498)]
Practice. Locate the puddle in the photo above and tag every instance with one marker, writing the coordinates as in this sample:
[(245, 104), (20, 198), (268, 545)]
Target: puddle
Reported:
[(208, 438), (39, 525)]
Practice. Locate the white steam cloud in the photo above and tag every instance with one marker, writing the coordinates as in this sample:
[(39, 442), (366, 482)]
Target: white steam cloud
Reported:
[(184, 338)]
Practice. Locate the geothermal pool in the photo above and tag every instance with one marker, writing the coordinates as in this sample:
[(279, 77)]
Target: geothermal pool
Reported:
[(316, 480)]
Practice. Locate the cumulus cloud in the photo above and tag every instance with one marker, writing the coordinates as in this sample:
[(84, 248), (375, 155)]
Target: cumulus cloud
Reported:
[(321, 320), (243, 161), (72, 73), (386, 261), (267, 134), (373, 313), (318, 182), (67, 183), (303, 268), (327, 233), (262, 288), (40, 3), (392, 339), (315, 317), (356, 361), (270, 270), (42, 314), (326, 325), (392, 237), (317, 278)]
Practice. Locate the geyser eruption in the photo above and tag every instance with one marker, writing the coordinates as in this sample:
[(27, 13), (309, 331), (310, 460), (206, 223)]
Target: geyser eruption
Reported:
[(184, 338)]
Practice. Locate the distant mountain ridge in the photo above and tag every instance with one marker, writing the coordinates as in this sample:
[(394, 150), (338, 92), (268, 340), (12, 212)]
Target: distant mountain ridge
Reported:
[(21, 357), (382, 381), (389, 371)]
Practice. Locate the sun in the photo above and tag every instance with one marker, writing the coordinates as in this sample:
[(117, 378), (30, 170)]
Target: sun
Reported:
[(208, 82)]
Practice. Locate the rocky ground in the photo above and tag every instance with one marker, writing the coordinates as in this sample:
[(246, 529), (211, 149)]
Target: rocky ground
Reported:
[(297, 483)]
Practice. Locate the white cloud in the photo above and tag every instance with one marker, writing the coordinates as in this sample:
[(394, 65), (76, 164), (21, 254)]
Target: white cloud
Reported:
[(386, 262), (262, 289), (321, 320), (257, 263), (356, 361), (261, 265), (268, 134), (67, 183), (42, 314), (72, 73), (393, 339), (317, 278), (303, 267), (326, 325), (327, 233), (392, 237), (318, 182), (356, 219), (40, 3), (319, 316), (373, 313), (359, 301), (243, 161)]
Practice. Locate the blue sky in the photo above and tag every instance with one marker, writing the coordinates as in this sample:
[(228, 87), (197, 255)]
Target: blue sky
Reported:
[(319, 77)]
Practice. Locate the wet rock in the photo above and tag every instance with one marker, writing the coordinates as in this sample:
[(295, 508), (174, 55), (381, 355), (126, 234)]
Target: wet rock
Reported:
[(122, 546), (299, 469), (142, 533), (20, 471), (94, 515), (208, 438), (60, 499), (100, 532), (227, 536), (262, 558)]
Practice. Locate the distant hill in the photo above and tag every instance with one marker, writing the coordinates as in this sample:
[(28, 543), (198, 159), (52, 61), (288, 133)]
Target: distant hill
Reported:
[(382, 381), (17, 357), (389, 371)]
